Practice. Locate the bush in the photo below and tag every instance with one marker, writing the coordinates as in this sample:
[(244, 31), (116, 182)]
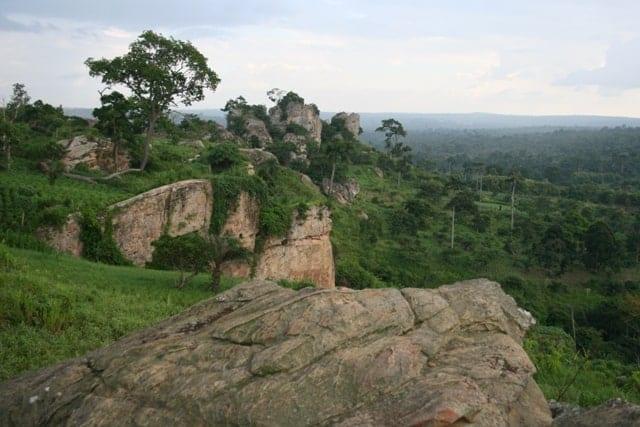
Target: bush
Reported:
[(182, 253), (296, 284), (7, 261), (222, 157), (275, 219), (351, 274), (97, 240)]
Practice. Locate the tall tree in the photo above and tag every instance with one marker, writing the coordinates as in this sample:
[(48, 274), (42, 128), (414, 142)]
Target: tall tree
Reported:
[(115, 120), (160, 72), (10, 133), (461, 202), (393, 131), (601, 248)]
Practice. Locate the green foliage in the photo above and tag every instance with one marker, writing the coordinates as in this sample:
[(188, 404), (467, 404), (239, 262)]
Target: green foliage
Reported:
[(296, 285), (351, 274), (275, 219), (565, 374), (7, 260), (227, 189), (296, 129), (97, 240), (184, 253), (222, 157), (54, 307), (160, 72), (601, 248)]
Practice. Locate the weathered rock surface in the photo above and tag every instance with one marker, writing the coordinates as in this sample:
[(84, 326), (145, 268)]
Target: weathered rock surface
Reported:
[(193, 143), (344, 193), (305, 115), (65, 238), (93, 153), (260, 354), (351, 122), (256, 129), (258, 156), (242, 221), (304, 253), (177, 209), (221, 134), (614, 413)]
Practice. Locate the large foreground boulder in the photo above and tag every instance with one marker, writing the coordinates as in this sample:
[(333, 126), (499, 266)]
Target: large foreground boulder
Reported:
[(260, 354)]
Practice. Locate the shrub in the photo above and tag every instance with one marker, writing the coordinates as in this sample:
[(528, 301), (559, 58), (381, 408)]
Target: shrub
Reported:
[(98, 243), (185, 254), (222, 157), (296, 284), (275, 219), (351, 274)]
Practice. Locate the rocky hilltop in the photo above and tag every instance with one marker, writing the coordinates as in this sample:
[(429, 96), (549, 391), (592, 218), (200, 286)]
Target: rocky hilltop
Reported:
[(260, 354)]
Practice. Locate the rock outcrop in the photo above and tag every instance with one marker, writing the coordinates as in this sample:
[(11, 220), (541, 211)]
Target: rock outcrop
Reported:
[(344, 193), (65, 238), (193, 143), (242, 221), (305, 115), (614, 413), (175, 209), (95, 154), (351, 122), (304, 253), (258, 156), (260, 354), (256, 131)]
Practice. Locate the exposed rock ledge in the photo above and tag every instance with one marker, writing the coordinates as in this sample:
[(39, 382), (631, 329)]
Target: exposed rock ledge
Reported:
[(260, 354)]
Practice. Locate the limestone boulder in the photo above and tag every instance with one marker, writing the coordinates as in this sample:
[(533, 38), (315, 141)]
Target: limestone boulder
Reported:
[(263, 355), (192, 143), (65, 238), (351, 122), (93, 153), (344, 193), (258, 156), (305, 115), (256, 129), (176, 209), (305, 253)]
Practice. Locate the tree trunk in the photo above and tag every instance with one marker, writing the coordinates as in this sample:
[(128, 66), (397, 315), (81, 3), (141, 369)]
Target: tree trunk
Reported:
[(153, 118), (333, 174), (8, 153), (513, 198), (216, 274), (453, 225)]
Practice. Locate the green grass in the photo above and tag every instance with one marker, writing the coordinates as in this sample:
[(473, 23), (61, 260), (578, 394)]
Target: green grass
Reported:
[(53, 307)]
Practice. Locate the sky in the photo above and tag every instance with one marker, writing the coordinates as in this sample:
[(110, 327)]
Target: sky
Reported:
[(538, 57)]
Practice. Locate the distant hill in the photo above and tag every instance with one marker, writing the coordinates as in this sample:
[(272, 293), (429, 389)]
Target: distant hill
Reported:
[(421, 121)]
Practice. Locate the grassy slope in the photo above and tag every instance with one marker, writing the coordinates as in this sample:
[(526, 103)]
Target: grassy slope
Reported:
[(54, 307)]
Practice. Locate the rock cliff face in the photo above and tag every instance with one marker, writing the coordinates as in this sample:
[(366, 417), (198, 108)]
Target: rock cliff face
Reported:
[(305, 253), (344, 193), (351, 122), (94, 154), (257, 129), (260, 354), (179, 208), (242, 221), (65, 238), (305, 115)]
